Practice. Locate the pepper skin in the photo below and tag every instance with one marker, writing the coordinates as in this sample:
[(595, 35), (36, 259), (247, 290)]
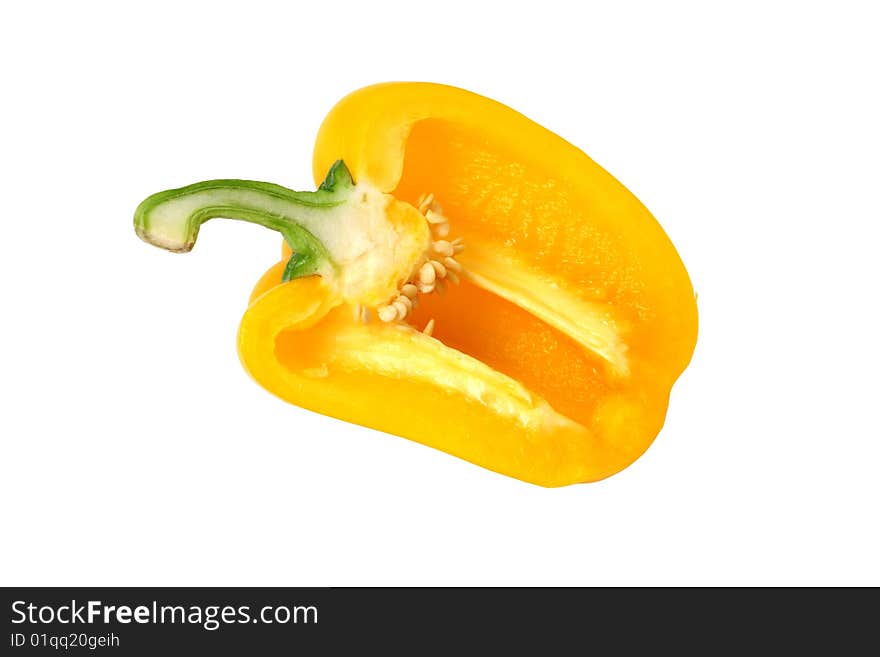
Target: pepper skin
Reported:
[(552, 362)]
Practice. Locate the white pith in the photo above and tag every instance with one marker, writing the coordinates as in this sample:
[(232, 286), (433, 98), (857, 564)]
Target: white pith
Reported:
[(371, 255)]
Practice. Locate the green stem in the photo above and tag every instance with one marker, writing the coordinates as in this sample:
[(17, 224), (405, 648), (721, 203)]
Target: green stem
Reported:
[(171, 219)]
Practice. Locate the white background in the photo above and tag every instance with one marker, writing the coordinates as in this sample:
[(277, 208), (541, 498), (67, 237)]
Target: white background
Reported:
[(135, 449)]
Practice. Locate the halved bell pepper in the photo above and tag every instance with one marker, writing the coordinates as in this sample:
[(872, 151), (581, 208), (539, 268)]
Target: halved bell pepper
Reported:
[(552, 358)]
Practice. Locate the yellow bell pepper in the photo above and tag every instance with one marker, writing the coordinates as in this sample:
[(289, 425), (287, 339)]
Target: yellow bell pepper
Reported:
[(552, 358)]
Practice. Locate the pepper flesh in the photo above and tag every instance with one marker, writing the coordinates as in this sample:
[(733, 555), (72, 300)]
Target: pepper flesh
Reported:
[(553, 362)]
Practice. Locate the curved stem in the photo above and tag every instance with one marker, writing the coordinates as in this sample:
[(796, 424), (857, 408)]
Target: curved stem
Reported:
[(171, 219)]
